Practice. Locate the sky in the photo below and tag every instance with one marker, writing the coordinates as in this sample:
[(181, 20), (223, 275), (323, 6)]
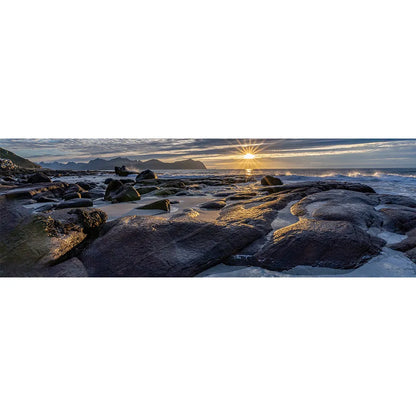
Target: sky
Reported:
[(227, 153)]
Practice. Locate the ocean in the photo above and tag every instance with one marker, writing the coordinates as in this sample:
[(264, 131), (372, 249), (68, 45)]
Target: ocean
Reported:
[(398, 181)]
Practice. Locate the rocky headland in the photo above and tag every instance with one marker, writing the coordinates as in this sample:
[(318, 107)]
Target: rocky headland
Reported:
[(92, 223)]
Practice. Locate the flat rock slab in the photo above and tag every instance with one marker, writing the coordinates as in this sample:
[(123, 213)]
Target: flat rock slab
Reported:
[(320, 186), (27, 192), (154, 246), (335, 244), (75, 203), (340, 205)]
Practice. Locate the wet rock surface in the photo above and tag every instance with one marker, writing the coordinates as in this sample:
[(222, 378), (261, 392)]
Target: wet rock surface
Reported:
[(30, 243), (55, 228), (336, 244), (162, 204)]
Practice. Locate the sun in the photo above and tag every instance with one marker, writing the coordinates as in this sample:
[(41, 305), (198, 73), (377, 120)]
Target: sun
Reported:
[(249, 156)]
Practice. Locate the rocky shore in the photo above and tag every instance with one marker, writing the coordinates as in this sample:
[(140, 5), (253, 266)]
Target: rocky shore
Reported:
[(65, 223)]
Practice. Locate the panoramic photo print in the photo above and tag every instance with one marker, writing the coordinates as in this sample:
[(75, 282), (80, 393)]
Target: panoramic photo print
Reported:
[(208, 207)]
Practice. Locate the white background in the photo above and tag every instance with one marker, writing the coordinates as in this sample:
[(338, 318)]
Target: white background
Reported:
[(207, 69)]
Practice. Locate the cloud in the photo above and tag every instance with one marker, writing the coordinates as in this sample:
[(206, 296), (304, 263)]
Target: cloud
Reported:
[(220, 152)]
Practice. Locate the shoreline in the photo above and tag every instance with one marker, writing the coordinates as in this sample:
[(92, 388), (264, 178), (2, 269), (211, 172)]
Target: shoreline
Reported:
[(244, 228)]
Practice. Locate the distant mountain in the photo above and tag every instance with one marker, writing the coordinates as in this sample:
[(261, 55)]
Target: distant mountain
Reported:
[(102, 164), (17, 160)]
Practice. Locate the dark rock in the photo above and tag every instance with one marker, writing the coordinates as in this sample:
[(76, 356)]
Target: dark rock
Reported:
[(86, 185), (335, 244), (72, 195), (397, 200), (96, 193), (122, 171), (218, 204), (91, 219), (108, 180), (86, 194), (404, 245), (118, 192), (400, 220), (270, 181), (75, 203), (167, 191), (240, 196), (28, 192), (411, 254), (127, 181), (224, 194), (29, 243), (146, 174), (39, 177), (146, 189), (320, 186), (173, 184), (174, 202), (162, 204), (340, 205), (155, 246), (182, 193), (45, 197), (69, 268), (73, 187)]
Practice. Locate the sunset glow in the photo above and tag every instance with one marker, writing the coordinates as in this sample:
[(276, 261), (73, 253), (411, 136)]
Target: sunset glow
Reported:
[(249, 156)]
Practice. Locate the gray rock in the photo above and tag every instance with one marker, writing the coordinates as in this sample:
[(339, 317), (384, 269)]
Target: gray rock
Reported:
[(75, 203), (162, 204), (400, 220), (404, 245), (29, 243), (39, 177), (218, 204), (270, 181), (86, 185), (320, 186), (146, 174), (146, 189), (167, 191), (397, 200), (69, 268), (28, 192), (335, 244), (119, 192), (242, 195), (71, 195), (340, 205)]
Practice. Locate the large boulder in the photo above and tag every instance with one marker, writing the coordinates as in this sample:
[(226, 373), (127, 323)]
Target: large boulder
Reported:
[(270, 181), (336, 244), (119, 192), (155, 246), (30, 243), (39, 177), (146, 174), (162, 204), (123, 171)]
